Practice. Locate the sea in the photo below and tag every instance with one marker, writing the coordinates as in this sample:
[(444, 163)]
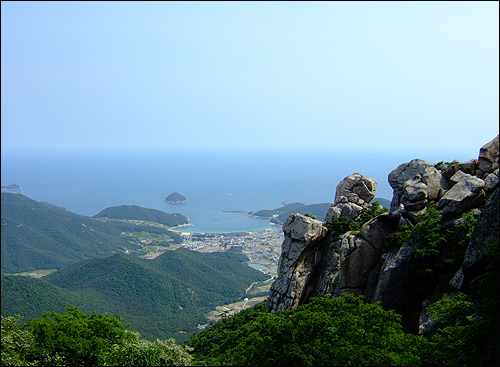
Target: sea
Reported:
[(86, 182)]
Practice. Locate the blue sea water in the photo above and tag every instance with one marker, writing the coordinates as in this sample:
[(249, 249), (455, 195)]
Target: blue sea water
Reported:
[(88, 182)]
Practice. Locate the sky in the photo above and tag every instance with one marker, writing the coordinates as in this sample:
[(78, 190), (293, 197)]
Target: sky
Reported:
[(344, 76)]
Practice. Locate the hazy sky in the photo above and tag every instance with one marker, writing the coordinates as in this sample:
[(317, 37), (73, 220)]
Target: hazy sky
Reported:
[(249, 75)]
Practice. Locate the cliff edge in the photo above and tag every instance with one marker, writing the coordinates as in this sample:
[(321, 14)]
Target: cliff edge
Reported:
[(350, 252)]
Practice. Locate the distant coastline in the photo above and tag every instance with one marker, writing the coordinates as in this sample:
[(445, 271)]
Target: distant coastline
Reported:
[(14, 188)]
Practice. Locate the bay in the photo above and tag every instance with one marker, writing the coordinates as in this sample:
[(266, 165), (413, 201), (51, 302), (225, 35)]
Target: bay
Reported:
[(86, 182)]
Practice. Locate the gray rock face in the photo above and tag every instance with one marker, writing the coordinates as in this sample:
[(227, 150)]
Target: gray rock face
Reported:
[(466, 167), (426, 322), (466, 194), (488, 156), (349, 210), (393, 275), (485, 232), (415, 194), (415, 184), (491, 182), (352, 197), (359, 260), (303, 229), (296, 262), (312, 264), (356, 183)]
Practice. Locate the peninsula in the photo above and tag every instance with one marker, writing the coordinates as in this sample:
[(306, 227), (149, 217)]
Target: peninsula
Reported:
[(176, 198), (12, 188)]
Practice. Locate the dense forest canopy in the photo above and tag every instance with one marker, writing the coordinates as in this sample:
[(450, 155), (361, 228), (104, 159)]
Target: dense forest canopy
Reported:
[(40, 236), (138, 213), (159, 297)]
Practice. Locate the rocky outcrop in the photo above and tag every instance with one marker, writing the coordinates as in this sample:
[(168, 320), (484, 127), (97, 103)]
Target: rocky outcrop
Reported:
[(415, 185), (317, 261), (491, 182), (356, 183), (465, 167), (488, 158), (296, 261), (352, 197), (467, 193)]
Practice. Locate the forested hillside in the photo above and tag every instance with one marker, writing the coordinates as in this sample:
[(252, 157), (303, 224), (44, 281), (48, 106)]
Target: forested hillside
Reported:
[(40, 236), (158, 297), (282, 213), (138, 213)]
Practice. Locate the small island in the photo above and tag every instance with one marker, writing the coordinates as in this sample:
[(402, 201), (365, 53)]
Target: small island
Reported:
[(176, 198)]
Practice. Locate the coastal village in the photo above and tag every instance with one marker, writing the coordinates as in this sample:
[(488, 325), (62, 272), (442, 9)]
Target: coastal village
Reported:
[(263, 250), (261, 247)]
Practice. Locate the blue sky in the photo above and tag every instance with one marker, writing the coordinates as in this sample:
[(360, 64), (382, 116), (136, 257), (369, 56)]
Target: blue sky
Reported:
[(364, 76)]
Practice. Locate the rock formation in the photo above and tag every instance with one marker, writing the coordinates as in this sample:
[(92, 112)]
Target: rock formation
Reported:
[(352, 197), (317, 261), (416, 184), (302, 237)]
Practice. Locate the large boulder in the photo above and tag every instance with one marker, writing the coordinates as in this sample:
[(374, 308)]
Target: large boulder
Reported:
[(352, 197), (303, 229), (488, 157), (467, 193), (466, 167), (349, 210), (363, 187), (491, 182), (415, 194), (415, 184)]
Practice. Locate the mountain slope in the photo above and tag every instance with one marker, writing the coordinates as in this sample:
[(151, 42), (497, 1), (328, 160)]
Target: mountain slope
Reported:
[(157, 297), (40, 236), (138, 213), (32, 297)]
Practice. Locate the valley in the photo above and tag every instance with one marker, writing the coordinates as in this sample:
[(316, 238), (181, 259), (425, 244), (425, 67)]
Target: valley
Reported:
[(262, 248), (132, 262)]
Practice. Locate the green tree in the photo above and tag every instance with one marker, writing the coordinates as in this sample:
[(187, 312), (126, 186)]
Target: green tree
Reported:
[(468, 332), (140, 352), (438, 246), (339, 331), (16, 341), (75, 338)]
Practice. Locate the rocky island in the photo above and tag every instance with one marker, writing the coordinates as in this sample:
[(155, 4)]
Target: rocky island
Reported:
[(176, 198)]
